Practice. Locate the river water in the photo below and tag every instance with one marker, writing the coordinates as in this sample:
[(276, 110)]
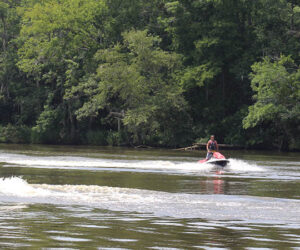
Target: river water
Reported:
[(119, 198)]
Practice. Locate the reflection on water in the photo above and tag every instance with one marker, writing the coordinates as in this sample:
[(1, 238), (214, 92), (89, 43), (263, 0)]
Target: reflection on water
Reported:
[(74, 197), (74, 227), (215, 184), (218, 185)]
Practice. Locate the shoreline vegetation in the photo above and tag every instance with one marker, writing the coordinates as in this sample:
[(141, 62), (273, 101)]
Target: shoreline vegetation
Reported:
[(193, 147), (202, 146), (196, 147), (144, 73)]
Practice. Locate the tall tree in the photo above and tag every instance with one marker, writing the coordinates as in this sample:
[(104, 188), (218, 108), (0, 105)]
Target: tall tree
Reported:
[(59, 40), (137, 80), (277, 101)]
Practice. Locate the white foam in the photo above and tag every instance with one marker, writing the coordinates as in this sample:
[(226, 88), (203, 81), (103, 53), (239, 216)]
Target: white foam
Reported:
[(179, 205), (19, 187), (84, 163), (243, 166), (94, 164), (12, 207)]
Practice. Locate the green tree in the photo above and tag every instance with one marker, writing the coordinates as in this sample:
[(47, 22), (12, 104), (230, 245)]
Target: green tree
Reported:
[(72, 71), (12, 81), (277, 100), (59, 39), (218, 46), (137, 82)]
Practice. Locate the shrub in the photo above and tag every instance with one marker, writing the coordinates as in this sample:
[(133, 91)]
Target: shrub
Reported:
[(15, 134), (96, 137)]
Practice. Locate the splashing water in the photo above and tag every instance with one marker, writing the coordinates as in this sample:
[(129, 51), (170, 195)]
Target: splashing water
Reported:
[(153, 202), (242, 166), (140, 195), (84, 163)]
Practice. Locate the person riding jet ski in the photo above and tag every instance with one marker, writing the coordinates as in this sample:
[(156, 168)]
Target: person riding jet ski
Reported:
[(211, 147)]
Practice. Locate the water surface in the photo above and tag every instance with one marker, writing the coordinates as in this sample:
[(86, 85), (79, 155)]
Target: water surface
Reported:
[(110, 198)]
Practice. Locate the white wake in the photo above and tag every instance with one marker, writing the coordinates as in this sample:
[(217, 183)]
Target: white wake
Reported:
[(179, 205), (243, 166), (94, 164)]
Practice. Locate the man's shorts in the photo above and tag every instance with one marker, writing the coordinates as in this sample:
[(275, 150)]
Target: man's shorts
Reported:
[(209, 155)]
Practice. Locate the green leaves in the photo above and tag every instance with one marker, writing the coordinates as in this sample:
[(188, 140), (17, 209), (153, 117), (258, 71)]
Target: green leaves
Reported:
[(277, 95), (3, 9), (198, 76), (158, 72), (138, 79), (55, 30), (58, 40)]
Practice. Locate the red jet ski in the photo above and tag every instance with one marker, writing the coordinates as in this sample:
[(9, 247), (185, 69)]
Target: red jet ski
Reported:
[(216, 159)]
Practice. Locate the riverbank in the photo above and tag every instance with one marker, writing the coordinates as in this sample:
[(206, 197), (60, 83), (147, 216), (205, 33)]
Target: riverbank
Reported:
[(200, 146), (28, 135), (195, 148)]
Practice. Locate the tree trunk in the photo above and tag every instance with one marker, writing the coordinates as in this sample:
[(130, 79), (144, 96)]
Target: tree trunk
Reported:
[(4, 34), (206, 92), (223, 86), (4, 86), (284, 145), (292, 16), (119, 124), (72, 125)]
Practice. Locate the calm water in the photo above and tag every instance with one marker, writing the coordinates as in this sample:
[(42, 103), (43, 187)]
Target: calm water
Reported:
[(118, 198)]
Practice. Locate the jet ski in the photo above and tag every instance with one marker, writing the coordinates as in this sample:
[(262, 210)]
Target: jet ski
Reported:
[(217, 159)]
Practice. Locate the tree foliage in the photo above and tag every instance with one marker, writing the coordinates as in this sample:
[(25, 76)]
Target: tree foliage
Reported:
[(137, 80), (161, 72), (277, 99)]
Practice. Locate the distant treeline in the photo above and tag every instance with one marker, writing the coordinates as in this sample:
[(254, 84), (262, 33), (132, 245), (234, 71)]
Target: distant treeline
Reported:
[(158, 73)]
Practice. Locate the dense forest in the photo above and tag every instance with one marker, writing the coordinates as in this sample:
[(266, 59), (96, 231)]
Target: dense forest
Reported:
[(159, 73)]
